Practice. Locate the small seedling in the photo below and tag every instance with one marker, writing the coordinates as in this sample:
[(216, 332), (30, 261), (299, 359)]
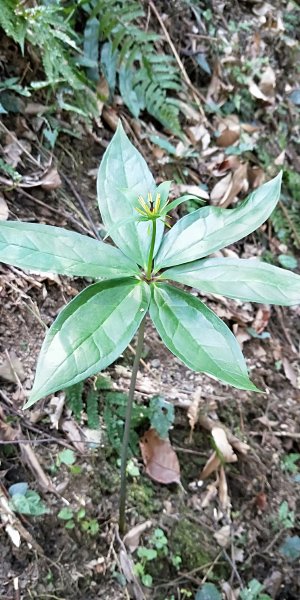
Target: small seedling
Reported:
[(78, 518), (157, 548), (93, 330)]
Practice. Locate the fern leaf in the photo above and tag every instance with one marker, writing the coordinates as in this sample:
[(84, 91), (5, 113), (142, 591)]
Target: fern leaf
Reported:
[(92, 409), (74, 399)]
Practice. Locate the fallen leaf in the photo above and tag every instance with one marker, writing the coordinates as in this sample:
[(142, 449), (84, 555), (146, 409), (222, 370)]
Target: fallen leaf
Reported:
[(211, 465), (239, 183), (221, 190), (257, 93), (3, 208), (223, 446), (256, 176), (73, 433), (57, 405), (194, 190), (211, 493), (261, 501), (12, 369), (223, 536), (223, 490), (161, 462), (132, 538), (267, 82), (261, 318), (290, 373), (50, 181), (193, 409)]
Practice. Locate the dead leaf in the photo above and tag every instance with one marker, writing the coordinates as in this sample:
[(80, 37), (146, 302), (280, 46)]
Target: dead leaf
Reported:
[(290, 373), (211, 493), (161, 462), (261, 501), (267, 82), (224, 447), (211, 465), (70, 427), (57, 404), (3, 209), (279, 160), (223, 536), (132, 538), (12, 153), (50, 181), (256, 176), (223, 490), (257, 93), (239, 183), (194, 190), (261, 318), (193, 409), (12, 370), (221, 190)]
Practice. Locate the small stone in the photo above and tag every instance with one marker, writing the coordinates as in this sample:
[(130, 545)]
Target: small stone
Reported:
[(155, 363)]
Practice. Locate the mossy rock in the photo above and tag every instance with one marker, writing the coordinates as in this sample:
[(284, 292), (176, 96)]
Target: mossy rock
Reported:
[(195, 545), (143, 499)]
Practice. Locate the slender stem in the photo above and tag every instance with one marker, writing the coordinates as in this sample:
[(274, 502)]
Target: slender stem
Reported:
[(151, 251), (125, 442)]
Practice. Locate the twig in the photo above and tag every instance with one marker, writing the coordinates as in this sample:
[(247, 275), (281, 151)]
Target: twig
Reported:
[(4, 128), (82, 205), (288, 434), (132, 350), (197, 96)]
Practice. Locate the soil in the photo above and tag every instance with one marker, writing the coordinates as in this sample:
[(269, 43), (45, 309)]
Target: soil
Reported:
[(62, 563)]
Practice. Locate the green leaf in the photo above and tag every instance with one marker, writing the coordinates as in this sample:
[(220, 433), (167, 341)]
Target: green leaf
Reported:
[(124, 168), (247, 280), (92, 409), (197, 336), (181, 200), (161, 415), (89, 334), (291, 548), (29, 504), (66, 457), (208, 591), (210, 228), (47, 248), (66, 513)]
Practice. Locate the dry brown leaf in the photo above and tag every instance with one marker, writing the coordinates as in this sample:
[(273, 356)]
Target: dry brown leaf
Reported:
[(56, 405), (239, 183), (256, 176), (223, 490), (161, 462), (193, 409), (221, 190), (210, 494), (12, 369), (211, 465), (194, 190), (3, 208), (132, 538), (230, 594), (224, 447), (261, 318), (291, 374), (12, 153), (73, 433), (229, 163), (279, 160), (34, 108), (267, 82), (257, 93), (50, 181), (223, 536)]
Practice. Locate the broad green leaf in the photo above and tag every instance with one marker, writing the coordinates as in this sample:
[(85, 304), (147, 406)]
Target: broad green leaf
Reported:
[(124, 168), (197, 336), (208, 591), (89, 334), (248, 280), (210, 228), (47, 248), (291, 548)]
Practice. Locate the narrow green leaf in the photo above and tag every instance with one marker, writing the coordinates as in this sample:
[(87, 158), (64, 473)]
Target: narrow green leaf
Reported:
[(248, 280), (210, 228), (181, 200), (57, 250), (197, 336), (89, 334), (123, 167)]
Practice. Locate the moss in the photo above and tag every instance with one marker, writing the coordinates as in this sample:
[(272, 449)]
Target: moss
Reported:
[(141, 497), (195, 547)]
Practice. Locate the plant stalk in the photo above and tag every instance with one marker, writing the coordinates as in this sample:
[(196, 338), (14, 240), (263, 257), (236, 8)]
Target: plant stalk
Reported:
[(151, 252), (124, 453)]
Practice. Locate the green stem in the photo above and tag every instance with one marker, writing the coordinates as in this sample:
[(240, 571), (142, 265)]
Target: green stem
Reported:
[(151, 252), (124, 453)]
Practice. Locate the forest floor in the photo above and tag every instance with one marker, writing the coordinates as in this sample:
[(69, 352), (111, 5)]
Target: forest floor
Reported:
[(239, 525)]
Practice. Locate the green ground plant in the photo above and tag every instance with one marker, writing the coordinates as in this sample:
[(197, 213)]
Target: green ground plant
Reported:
[(93, 330)]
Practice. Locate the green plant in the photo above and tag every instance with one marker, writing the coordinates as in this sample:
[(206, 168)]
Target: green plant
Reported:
[(26, 502), (112, 43), (96, 326), (254, 591), (286, 517), (157, 548), (78, 518)]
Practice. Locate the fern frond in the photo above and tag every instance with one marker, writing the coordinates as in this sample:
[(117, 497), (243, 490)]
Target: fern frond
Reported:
[(74, 399), (92, 410)]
